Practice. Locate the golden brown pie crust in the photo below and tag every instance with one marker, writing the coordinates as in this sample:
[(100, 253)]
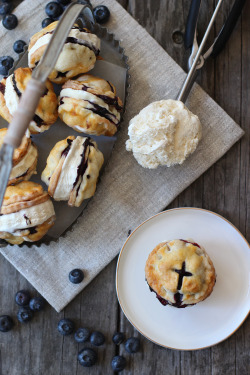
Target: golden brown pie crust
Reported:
[(175, 259)]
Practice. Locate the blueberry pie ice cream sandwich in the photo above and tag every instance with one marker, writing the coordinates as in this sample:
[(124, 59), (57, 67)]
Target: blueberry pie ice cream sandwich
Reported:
[(180, 272), (24, 159), (27, 213), (89, 104), (11, 90), (72, 170), (78, 54)]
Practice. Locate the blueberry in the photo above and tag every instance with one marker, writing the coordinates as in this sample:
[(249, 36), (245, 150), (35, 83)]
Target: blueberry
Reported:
[(10, 21), (84, 2), (132, 345), (76, 276), (118, 338), (6, 63), (53, 9), (46, 22), (64, 2), (65, 327), (6, 323), (118, 363), (37, 304), (82, 335), (24, 314), (87, 357), (101, 13), (22, 297), (18, 46), (5, 8), (6, 1), (97, 338)]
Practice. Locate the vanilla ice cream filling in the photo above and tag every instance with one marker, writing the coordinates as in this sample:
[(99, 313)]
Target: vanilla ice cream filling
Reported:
[(91, 39), (69, 170), (25, 163), (92, 99), (27, 218), (10, 96)]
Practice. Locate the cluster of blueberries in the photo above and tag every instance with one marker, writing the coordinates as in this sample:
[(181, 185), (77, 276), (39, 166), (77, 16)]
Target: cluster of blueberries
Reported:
[(53, 10), (87, 357), (27, 307)]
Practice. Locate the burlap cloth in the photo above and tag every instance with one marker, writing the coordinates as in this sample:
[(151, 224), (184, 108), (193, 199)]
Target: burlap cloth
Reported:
[(127, 194)]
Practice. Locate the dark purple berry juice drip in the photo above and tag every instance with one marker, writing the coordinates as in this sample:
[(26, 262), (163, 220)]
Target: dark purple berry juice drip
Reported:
[(28, 222), (101, 111), (39, 122), (84, 163), (2, 88), (62, 74), (66, 151), (193, 243), (18, 92), (105, 98), (84, 43)]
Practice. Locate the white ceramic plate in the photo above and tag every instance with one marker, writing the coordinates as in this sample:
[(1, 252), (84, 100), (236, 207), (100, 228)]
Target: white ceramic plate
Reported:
[(208, 322)]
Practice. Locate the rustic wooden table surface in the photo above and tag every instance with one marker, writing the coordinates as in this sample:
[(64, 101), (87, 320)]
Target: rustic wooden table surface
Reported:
[(37, 348)]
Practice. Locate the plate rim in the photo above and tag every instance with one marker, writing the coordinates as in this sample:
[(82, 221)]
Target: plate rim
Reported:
[(118, 264)]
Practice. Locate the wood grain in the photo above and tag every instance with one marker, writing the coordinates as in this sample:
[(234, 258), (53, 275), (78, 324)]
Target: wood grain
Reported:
[(37, 348)]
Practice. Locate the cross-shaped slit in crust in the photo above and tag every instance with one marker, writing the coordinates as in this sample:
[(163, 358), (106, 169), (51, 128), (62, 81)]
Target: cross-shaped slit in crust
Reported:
[(182, 272)]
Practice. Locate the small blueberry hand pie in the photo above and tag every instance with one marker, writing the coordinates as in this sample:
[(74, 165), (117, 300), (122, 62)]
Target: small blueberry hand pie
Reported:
[(89, 104), (78, 54), (27, 213), (11, 90), (72, 170), (180, 273), (24, 159)]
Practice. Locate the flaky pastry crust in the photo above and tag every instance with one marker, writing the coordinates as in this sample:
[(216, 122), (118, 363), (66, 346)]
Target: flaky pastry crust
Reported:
[(21, 197), (84, 184), (89, 104), (46, 113), (74, 59)]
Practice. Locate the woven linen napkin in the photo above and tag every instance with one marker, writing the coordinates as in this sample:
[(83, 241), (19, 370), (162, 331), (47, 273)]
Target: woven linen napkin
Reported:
[(127, 193)]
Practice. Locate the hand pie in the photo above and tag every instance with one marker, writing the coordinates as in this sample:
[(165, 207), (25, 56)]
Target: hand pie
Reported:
[(11, 90), (72, 170), (24, 159), (78, 54), (89, 104), (180, 273), (27, 213)]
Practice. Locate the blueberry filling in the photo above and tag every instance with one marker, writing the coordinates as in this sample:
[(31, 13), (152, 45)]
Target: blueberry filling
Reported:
[(32, 230), (28, 222), (61, 102), (66, 150), (2, 88), (73, 40), (193, 243), (106, 99), (62, 74), (39, 122), (83, 165), (101, 111), (182, 272)]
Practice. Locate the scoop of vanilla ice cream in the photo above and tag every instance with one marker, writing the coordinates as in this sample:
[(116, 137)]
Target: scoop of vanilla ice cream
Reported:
[(163, 133)]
